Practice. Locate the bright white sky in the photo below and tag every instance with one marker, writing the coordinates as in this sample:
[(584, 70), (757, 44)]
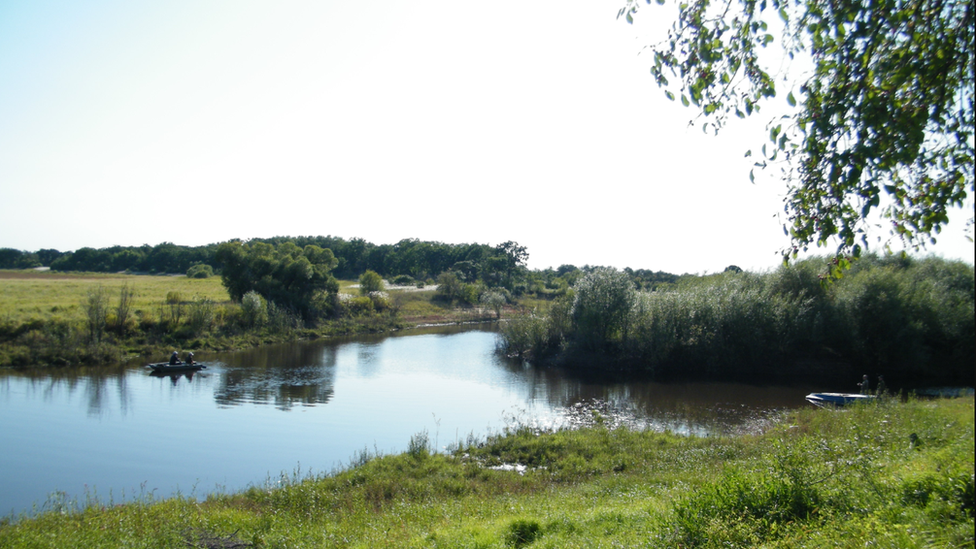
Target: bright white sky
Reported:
[(194, 122)]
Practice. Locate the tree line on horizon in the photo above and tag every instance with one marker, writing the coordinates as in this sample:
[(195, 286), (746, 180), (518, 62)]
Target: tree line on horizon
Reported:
[(419, 259), (499, 266)]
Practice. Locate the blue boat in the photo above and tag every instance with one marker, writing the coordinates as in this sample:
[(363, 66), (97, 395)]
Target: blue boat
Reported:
[(837, 399)]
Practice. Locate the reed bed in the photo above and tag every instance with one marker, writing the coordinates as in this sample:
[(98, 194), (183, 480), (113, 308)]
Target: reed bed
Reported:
[(912, 319)]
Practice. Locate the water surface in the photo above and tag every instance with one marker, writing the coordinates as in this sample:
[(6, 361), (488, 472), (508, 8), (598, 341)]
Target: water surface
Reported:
[(118, 433)]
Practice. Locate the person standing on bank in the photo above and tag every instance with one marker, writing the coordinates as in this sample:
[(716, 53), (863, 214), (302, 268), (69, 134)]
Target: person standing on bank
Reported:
[(865, 385)]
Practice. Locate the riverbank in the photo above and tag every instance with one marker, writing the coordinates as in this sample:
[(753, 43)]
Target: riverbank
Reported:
[(887, 475)]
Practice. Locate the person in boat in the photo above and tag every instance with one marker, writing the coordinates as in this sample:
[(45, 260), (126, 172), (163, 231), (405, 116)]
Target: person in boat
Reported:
[(865, 385), (174, 358), (189, 358)]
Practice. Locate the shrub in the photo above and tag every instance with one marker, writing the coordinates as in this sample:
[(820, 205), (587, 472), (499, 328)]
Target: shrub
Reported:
[(200, 271), (96, 313), (370, 282), (282, 319), (361, 305), (494, 300), (449, 286), (403, 280), (254, 312), (469, 294), (203, 315)]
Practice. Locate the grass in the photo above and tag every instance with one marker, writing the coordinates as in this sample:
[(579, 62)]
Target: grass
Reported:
[(818, 478), (33, 295)]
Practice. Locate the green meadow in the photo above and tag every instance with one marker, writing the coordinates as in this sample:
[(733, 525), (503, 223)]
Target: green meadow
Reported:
[(38, 296), (46, 317), (890, 474)]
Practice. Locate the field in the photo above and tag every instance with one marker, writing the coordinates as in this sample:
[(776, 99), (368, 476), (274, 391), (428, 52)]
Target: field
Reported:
[(45, 316), (39, 295)]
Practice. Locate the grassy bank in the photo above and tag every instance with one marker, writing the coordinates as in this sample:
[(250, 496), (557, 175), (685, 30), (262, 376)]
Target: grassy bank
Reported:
[(45, 317), (885, 475)]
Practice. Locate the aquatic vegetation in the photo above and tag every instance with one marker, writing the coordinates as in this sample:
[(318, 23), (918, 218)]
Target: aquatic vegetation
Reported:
[(911, 318)]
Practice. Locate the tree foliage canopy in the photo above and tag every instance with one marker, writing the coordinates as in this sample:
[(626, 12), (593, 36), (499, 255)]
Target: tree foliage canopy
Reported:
[(886, 116), (287, 275)]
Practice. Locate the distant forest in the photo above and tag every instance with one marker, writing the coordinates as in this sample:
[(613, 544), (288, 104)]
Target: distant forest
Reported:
[(421, 260)]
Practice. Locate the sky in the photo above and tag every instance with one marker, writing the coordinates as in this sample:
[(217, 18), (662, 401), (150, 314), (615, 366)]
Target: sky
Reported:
[(196, 122)]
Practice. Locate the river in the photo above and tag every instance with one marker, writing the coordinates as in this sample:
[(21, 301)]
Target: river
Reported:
[(116, 433)]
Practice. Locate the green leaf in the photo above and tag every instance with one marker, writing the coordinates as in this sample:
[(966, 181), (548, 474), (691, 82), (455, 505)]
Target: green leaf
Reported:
[(783, 15), (791, 100), (684, 100)]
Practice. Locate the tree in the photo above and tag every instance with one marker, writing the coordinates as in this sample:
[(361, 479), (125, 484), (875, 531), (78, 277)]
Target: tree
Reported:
[(47, 255), (16, 259), (287, 275), (886, 116)]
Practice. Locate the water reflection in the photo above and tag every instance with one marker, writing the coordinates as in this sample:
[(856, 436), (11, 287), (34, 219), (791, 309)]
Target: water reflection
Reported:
[(304, 374), (175, 377), (101, 386), (282, 375), (701, 408)]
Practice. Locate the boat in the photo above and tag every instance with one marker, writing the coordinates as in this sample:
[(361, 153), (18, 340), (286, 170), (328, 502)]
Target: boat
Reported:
[(164, 367), (837, 399)]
